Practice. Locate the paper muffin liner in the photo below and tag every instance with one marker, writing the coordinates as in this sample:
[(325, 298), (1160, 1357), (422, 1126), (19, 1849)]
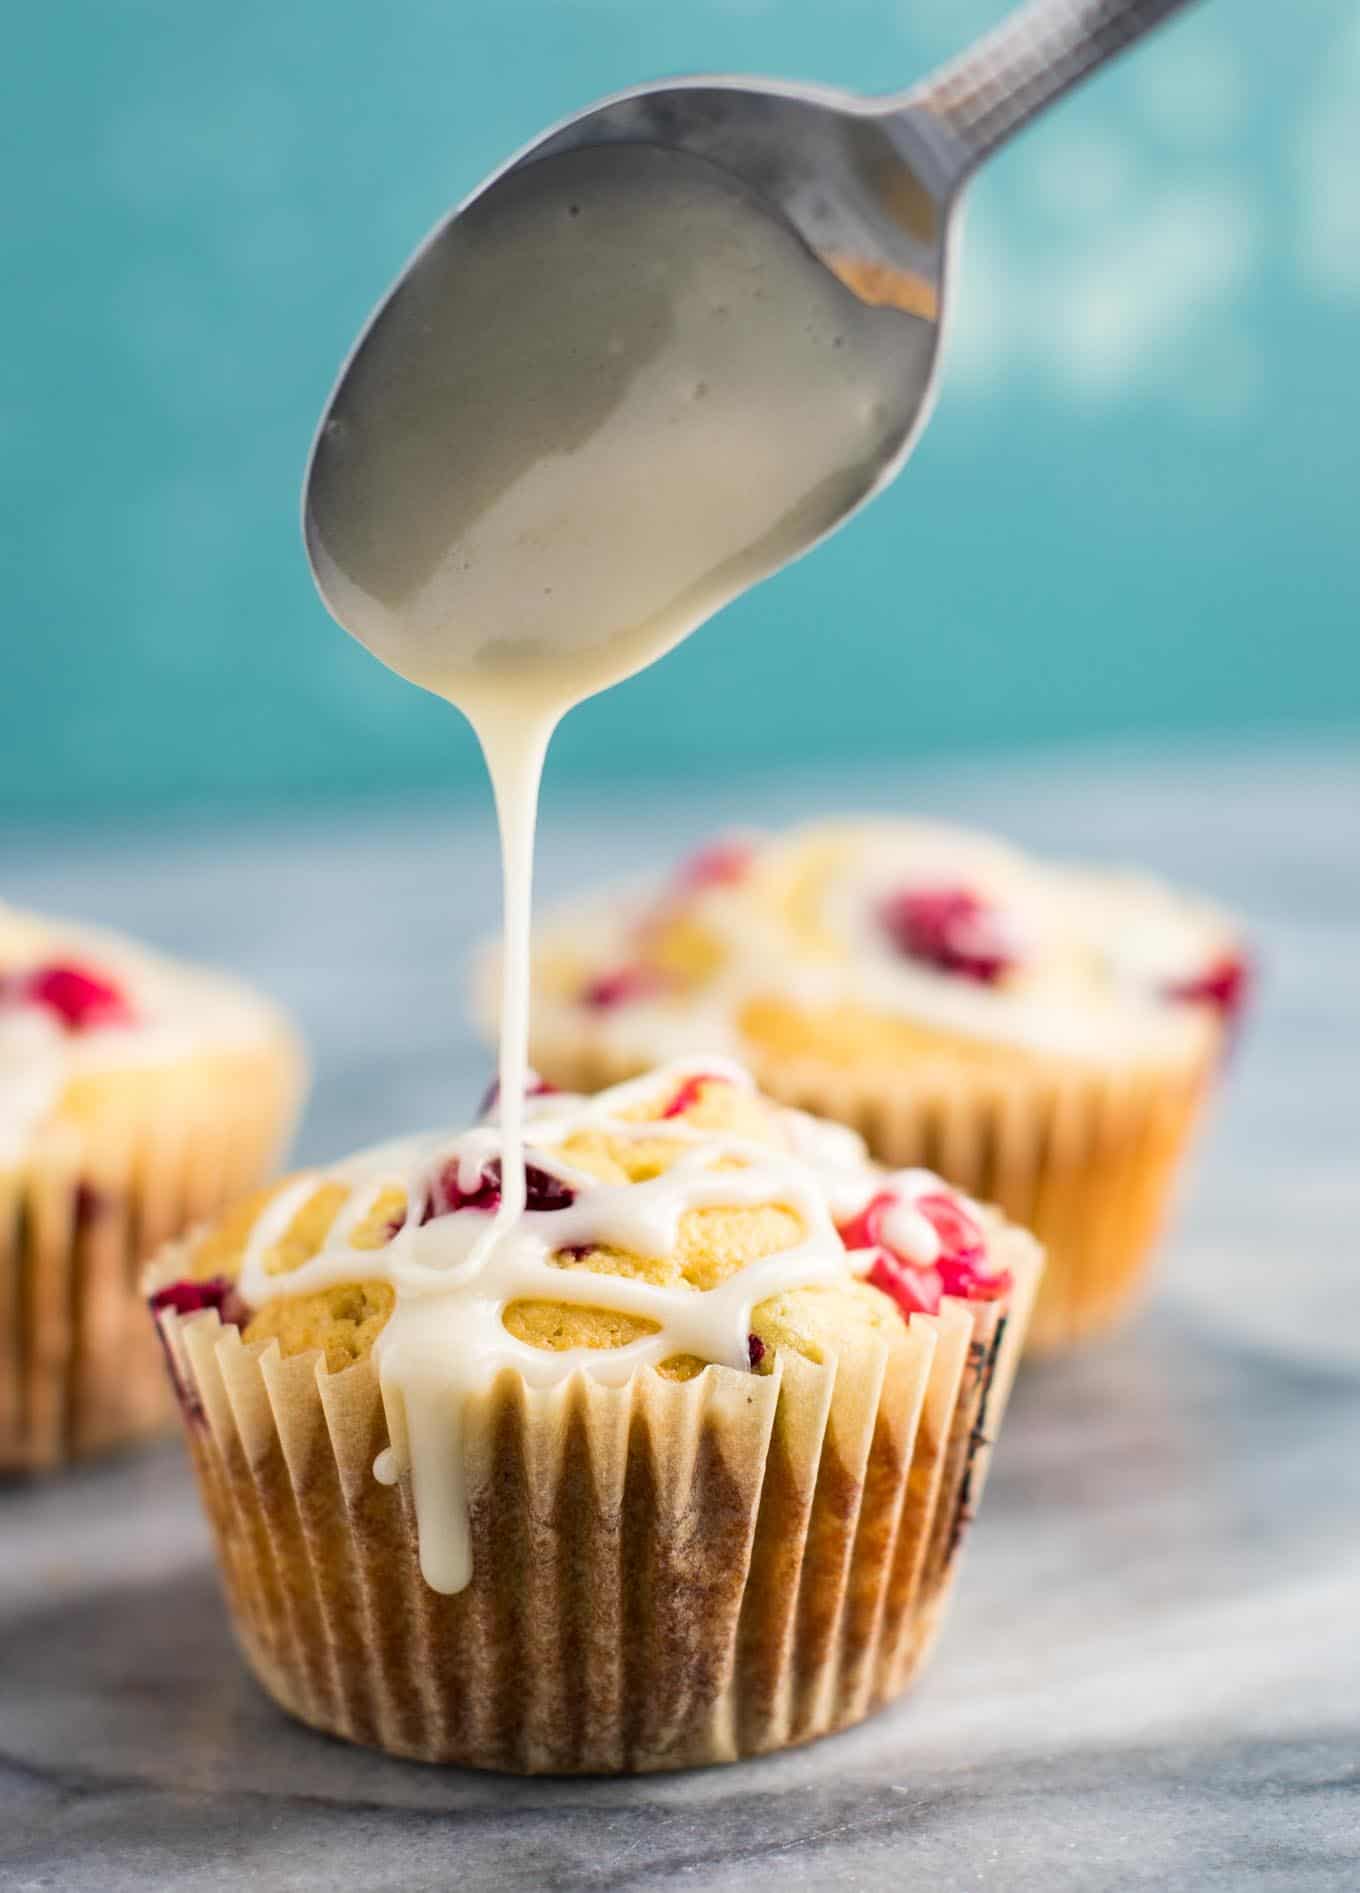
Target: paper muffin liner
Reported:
[(140, 1157), (665, 1574), (1085, 1158)]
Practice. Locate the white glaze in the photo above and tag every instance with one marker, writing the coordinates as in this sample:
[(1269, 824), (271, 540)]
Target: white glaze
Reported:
[(179, 1011), (1097, 951), (446, 1337)]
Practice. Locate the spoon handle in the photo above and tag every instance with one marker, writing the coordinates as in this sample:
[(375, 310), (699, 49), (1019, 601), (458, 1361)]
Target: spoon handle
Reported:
[(1032, 58)]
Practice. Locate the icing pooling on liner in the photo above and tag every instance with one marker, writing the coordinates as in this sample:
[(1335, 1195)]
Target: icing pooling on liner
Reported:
[(445, 1338)]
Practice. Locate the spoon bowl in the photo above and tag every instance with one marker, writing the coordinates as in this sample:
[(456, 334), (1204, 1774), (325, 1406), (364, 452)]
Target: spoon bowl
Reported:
[(867, 187)]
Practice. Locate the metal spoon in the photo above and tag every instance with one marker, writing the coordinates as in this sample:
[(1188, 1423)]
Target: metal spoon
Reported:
[(870, 185)]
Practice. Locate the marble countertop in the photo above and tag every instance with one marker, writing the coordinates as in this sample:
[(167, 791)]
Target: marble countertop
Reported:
[(1151, 1677)]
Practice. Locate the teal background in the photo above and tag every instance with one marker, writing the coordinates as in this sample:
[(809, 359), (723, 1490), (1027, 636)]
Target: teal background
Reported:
[(1136, 510)]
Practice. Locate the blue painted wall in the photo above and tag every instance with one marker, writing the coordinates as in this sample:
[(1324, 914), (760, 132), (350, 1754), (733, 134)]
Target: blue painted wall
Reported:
[(1137, 508)]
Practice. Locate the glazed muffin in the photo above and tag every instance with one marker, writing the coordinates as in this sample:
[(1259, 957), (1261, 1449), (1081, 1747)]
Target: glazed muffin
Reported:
[(674, 1469), (136, 1097), (1044, 1037)]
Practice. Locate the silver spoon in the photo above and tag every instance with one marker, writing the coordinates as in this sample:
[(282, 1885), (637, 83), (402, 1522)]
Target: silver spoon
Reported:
[(872, 184), (869, 185)]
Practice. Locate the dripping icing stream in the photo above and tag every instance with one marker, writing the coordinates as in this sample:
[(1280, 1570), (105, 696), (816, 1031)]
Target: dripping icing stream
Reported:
[(613, 394), (610, 395)]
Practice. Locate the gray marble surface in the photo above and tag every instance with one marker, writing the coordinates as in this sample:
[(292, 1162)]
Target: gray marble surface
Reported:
[(1152, 1673)]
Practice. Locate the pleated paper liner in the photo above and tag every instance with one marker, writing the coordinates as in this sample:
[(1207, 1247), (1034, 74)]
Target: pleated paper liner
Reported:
[(1087, 1159), (665, 1574), (139, 1157)]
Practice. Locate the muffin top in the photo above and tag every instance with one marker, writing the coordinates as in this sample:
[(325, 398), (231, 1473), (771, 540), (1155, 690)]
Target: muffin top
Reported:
[(673, 1222), (76, 1001), (870, 940)]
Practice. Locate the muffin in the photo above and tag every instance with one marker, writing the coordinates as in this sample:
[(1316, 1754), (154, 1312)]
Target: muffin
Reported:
[(136, 1097), (1044, 1037), (673, 1470)]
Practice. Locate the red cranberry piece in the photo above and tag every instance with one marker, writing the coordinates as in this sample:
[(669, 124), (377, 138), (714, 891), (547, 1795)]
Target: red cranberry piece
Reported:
[(534, 1087), (963, 1252), (950, 928), (1224, 985), (622, 987), (916, 1291), (689, 1093), (542, 1191), (958, 1270), (721, 864), (960, 1238), (967, 1282), (755, 1349), (447, 1195), (81, 1000), (189, 1298), (862, 1231)]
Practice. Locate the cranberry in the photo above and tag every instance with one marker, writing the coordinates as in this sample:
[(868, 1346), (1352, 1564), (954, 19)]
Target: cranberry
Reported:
[(916, 1291), (189, 1298), (960, 1238), (1224, 985), (958, 1270), (862, 1231), (721, 864), (542, 1191), (755, 1349), (622, 987), (689, 1093), (81, 1000), (963, 1279), (534, 1087), (950, 928), (447, 1195)]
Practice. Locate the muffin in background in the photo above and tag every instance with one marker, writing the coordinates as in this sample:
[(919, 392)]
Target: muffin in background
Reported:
[(1044, 1037), (137, 1096), (676, 1472)]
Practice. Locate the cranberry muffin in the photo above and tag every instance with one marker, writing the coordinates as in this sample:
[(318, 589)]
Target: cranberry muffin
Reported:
[(137, 1096), (1044, 1037), (671, 1470)]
